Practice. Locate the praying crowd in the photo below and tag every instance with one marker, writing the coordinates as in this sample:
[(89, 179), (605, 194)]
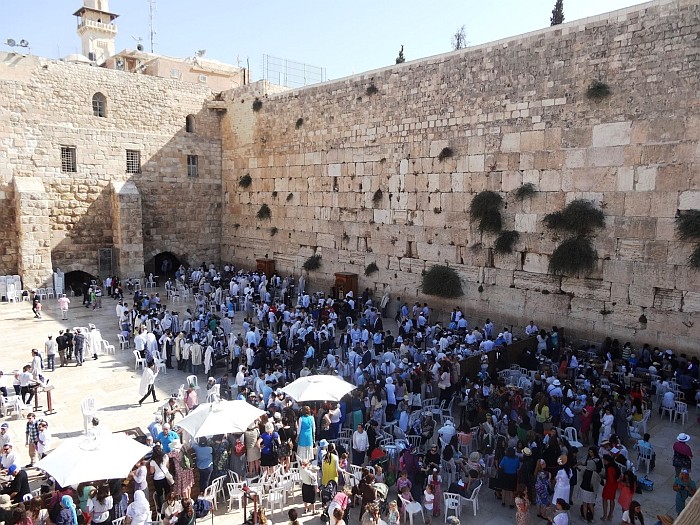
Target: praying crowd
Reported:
[(441, 412)]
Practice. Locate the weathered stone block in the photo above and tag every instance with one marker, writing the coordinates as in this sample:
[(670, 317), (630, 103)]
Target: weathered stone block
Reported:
[(613, 134), (586, 288), (537, 282)]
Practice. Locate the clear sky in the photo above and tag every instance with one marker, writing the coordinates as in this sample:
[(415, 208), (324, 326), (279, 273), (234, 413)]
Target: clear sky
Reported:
[(343, 37)]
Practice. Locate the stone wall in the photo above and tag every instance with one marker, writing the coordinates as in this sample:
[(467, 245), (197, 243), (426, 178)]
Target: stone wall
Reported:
[(513, 112), (47, 104)]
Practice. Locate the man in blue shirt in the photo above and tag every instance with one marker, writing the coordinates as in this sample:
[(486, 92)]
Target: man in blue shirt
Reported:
[(166, 436), (204, 461)]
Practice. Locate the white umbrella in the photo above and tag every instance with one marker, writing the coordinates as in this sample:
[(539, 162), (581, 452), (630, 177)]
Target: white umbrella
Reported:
[(90, 458), (223, 417), (318, 388)]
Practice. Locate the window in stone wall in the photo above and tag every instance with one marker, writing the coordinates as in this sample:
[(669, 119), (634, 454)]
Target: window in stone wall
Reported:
[(189, 123), (133, 161), (99, 105), (192, 166), (68, 159)]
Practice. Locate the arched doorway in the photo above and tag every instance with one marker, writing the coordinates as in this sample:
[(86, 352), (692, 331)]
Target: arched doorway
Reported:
[(76, 280), (164, 264)]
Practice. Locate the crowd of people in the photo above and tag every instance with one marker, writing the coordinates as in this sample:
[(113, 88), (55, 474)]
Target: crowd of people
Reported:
[(502, 433)]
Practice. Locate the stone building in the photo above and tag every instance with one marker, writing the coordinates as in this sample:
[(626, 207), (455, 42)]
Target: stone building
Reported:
[(430, 134)]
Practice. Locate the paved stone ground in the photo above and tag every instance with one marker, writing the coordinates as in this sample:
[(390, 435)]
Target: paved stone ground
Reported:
[(112, 381)]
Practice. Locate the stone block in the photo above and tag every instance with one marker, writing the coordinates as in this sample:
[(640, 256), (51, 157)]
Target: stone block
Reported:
[(612, 134), (476, 163), (586, 288), (510, 143), (334, 170), (653, 274), (537, 282), (689, 200), (436, 146), (667, 299), (641, 295), (603, 157), (638, 204), (625, 178), (575, 158), (646, 178), (588, 309), (511, 180), (536, 263), (691, 302), (618, 271), (531, 141), (526, 222)]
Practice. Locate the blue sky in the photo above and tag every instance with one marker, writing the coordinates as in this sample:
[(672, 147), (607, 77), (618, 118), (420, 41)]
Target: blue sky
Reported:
[(343, 37)]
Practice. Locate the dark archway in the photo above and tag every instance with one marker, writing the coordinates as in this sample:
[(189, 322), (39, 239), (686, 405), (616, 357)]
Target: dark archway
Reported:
[(75, 281), (164, 264)]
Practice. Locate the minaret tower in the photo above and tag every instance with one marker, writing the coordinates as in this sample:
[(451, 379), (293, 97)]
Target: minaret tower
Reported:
[(96, 30)]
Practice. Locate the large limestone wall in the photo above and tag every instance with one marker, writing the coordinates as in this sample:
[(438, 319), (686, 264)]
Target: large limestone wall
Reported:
[(513, 112), (45, 104)]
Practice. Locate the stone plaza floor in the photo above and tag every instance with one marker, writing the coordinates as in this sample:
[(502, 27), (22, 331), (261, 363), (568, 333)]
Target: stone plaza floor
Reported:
[(114, 383)]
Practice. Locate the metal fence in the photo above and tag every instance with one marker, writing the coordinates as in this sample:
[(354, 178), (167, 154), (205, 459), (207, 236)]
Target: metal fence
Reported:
[(289, 73)]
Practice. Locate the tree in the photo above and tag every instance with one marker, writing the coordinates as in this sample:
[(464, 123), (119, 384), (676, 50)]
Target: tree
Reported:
[(557, 13), (459, 39), (400, 59)]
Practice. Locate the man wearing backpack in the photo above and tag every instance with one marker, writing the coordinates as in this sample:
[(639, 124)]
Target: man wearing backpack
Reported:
[(204, 461)]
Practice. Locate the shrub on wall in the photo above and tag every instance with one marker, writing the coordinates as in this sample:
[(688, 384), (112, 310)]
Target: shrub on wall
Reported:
[(290, 196), (377, 197), (445, 153), (574, 255), (442, 281), (598, 90), (299, 123), (688, 228), (506, 241), (371, 90), (312, 263), (245, 181), (485, 209), (371, 268), (526, 190), (257, 105), (273, 231), (264, 212), (580, 217)]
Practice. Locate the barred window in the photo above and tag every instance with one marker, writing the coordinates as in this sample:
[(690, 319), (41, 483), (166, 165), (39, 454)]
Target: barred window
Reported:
[(99, 105), (192, 166), (68, 160), (133, 161)]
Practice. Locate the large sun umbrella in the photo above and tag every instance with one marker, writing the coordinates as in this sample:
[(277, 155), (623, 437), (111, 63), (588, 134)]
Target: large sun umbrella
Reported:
[(223, 417), (90, 458), (318, 388)]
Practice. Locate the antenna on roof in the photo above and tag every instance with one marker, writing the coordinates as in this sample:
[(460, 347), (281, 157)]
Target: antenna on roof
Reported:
[(200, 53), (151, 16)]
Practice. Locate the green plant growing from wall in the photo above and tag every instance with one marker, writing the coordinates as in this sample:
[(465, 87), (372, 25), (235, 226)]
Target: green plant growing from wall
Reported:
[(312, 263), (579, 217), (574, 255), (371, 268), (485, 209), (290, 196), (688, 229), (299, 123), (257, 105), (245, 181), (506, 241), (264, 212), (598, 90), (526, 190), (441, 281), (377, 197), (445, 153), (273, 231), (371, 90), (274, 194)]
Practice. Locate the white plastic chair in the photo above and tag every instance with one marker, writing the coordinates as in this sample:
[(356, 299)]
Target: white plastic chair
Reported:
[(140, 361), (644, 454), (275, 497), (669, 411), (192, 380), (572, 437), (682, 411), (474, 499), (235, 493), (452, 502), (108, 348), (411, 508), (123, 342), (50, 294), (118, 521), (89, 410)]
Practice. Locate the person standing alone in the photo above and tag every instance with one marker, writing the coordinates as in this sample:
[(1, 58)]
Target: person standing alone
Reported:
[(63, 303), (147, 386)]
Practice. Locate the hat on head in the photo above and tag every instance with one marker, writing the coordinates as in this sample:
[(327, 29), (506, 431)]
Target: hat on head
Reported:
[(387, 358), (389, 380), (5, 502), (405, 360), (561, 460), (683, 437), (5, 426), (614, 450), (323, 443), (278, 415), (12, 469), (527, 452), (460, 483), (556, 382), (474, 457)]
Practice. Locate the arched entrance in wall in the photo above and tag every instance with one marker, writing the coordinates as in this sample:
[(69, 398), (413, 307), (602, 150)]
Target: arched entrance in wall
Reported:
[(163, 264), (75, 280)]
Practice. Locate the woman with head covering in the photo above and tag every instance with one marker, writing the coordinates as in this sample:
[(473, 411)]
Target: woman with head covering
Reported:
[(590, 482), (138, 512), (184, 478), (67, 515), (562, 487)]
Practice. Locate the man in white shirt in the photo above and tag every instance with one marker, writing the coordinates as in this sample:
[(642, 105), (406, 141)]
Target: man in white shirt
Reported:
[(51, 349), (531, 329), (63, 303), (9, 457), (360, 444), (140, 343)]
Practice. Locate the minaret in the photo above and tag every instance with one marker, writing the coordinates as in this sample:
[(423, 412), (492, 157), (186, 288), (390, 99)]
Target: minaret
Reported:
[(96, 30)]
